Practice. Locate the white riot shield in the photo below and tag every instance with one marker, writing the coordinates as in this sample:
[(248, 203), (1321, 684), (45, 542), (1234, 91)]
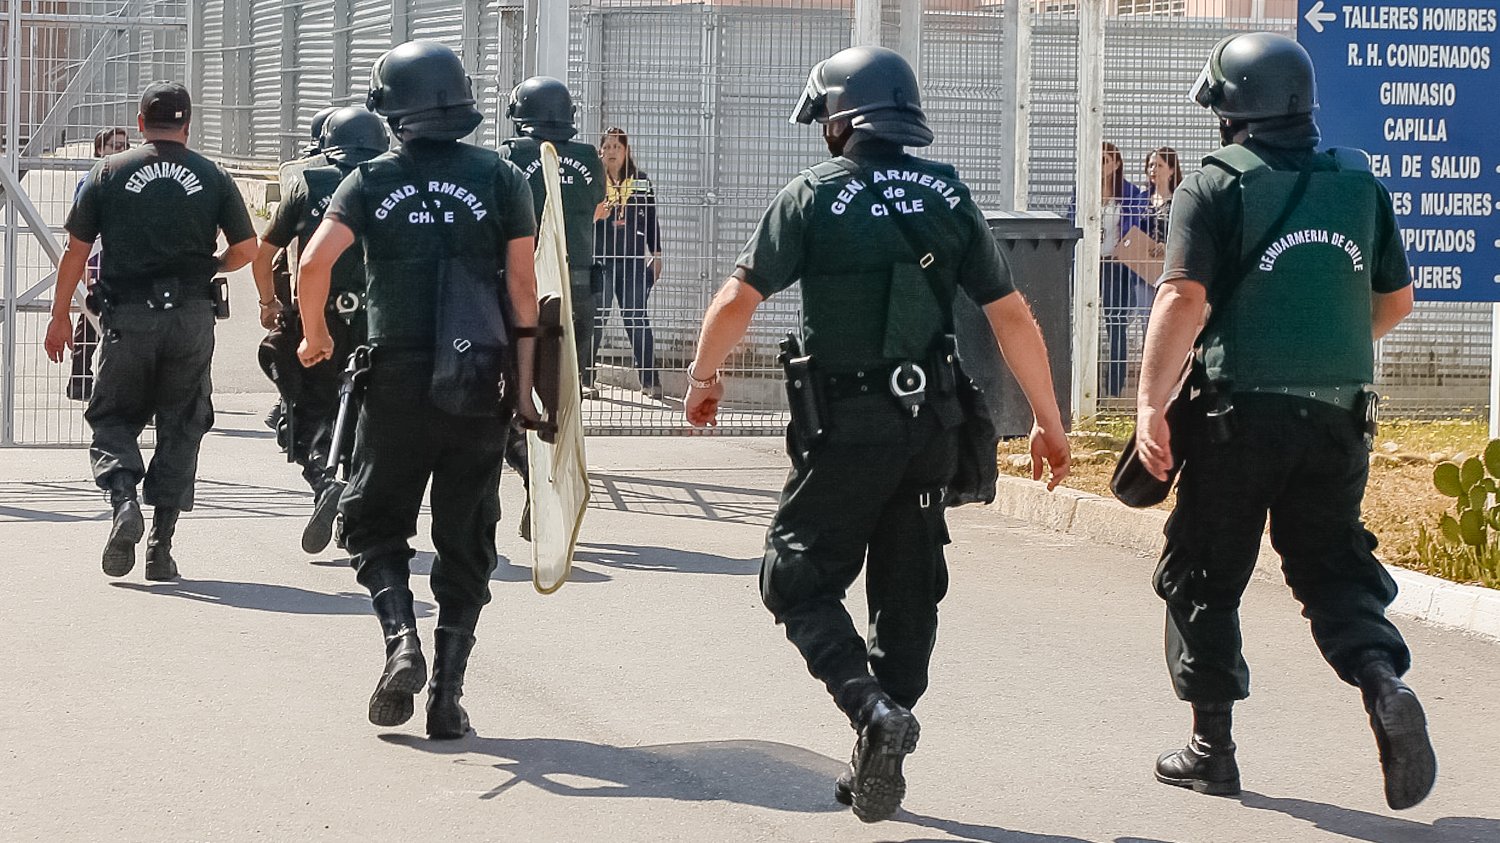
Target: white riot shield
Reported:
[(559, 470)]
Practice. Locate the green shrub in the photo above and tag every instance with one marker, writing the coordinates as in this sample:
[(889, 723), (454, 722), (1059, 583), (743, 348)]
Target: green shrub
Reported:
[(1466, 545)]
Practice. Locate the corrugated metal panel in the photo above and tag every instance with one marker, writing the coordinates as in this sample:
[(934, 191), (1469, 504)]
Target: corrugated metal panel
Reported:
[(369, 37), (210, 121), (314, 39), (437, 20), (265, 70)]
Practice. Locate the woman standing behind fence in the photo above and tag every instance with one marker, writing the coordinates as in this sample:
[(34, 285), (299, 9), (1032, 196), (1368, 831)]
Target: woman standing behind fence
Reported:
[(1163, 175), (628, 239)]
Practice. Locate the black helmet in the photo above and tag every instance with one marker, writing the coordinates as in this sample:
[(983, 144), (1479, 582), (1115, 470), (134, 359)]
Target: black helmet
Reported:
[(317, 124), (353, 134), (422, 89), (873, 88), (541, 107), (1257, 76)]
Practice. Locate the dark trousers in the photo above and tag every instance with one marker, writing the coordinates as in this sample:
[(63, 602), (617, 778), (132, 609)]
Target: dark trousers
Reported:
[(1125, 300), (585, 311), (1303, 463), (316, 409), (153, 363), (403, 442), (628, 281), (859, 499), (85, 343)]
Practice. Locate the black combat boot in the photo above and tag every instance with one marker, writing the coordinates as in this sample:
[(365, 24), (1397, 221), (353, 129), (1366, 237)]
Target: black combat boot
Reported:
[(160, 566), (524, 530), (126, 531), (1406, 755), (319, 529), (446, 719), (405, 670), (1207, 763), (874, 784)]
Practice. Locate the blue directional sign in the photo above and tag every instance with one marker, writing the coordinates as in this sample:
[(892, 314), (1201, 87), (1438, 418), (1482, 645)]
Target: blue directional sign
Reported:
[(1416, 83)]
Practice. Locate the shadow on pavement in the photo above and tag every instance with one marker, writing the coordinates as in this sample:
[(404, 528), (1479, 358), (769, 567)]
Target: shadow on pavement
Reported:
[(265, 598), (643, 558), (978, 833), (1377, 828), (681, 499), (759, 773), (505, 570)]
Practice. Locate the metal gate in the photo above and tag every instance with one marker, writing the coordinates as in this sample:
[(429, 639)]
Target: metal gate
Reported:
[(69, 69)]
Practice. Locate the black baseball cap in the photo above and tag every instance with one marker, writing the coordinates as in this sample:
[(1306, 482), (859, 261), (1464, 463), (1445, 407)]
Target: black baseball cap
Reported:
[(166, 105)]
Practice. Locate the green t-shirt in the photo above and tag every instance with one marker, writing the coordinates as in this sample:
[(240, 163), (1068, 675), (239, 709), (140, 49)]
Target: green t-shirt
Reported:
[(304, 201), (865, 300), (582, 176), (158, 209)]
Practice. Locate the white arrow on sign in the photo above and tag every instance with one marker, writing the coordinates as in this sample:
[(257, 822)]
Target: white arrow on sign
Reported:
[(1316, 17)]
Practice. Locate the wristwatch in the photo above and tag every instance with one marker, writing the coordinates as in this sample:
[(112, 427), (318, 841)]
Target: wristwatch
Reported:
[(704, 384)]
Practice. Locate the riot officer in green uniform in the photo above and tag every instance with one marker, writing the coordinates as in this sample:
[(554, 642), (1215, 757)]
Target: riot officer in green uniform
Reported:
[(158, 209), (351, 136), (310, 155), (1297, 251), (881, 242), (543, 112), (448, 233)]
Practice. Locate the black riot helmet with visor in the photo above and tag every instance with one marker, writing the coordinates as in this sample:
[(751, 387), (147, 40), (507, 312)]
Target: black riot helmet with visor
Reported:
[(542, 108), (352, 135), (873, 88), (1255, 76), (422, 90)]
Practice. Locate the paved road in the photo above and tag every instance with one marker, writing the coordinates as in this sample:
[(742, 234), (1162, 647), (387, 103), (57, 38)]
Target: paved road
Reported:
[(651, 699)]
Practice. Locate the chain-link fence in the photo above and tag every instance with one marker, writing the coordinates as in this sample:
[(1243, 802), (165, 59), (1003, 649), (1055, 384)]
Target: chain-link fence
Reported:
[(67, 71), (703, 92)]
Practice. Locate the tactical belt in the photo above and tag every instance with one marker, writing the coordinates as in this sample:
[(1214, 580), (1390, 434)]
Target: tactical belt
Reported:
[(1346, 397), (185, 290), (911, 384)]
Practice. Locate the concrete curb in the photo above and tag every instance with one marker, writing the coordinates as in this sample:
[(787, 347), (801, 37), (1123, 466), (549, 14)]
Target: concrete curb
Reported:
[(1466, 608)]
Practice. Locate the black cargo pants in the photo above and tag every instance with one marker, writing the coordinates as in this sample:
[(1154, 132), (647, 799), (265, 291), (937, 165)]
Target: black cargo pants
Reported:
[(402, 442), (1303, 463), (316, 409), (153, 363), (870, 493)]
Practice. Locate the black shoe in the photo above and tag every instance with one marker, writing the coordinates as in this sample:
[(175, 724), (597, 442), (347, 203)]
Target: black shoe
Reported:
[(1207, 763), (1400, 726), (887, 734), (405, 674), (524, 530), (273, 417), (843, 786), (446, 719), (405, 670), (319, 529), (125, 533), (1211, 771), (160, 566)]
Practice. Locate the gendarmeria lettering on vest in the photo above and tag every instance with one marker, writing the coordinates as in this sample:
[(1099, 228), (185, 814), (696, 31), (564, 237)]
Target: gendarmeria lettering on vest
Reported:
[(895, 195), (164, 170), (1311, 236), (470, 200)]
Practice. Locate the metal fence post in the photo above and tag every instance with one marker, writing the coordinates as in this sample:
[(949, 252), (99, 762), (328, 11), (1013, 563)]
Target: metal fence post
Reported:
[(866, 23), (343, 36), (287, 118), (400, 22), (549, 44), (1018, 21), (12, 166), (1089, 194), (909, 39)]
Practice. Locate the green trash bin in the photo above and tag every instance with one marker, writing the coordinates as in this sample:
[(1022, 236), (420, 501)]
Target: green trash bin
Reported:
[(1039, 249)]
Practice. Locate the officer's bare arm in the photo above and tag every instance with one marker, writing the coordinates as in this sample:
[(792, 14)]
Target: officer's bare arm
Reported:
[(1025, 353), (313, 279), (260, 270), (724, 324), (1176, 316), (237, 255), (69, 272), (520, 283), (1388, 309)]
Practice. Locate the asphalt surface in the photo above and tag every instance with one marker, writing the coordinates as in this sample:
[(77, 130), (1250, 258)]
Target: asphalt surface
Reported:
[(652, 698)]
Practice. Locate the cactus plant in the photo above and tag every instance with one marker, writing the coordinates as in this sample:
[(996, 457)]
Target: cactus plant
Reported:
[(1468, 537)]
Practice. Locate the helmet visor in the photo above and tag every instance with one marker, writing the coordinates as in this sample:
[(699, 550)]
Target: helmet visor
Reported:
[(813, 104), (1206, 89)]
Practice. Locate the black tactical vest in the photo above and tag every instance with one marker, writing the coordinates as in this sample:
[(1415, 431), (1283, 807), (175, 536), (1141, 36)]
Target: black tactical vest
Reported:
[(429, 216), (581, 174)]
